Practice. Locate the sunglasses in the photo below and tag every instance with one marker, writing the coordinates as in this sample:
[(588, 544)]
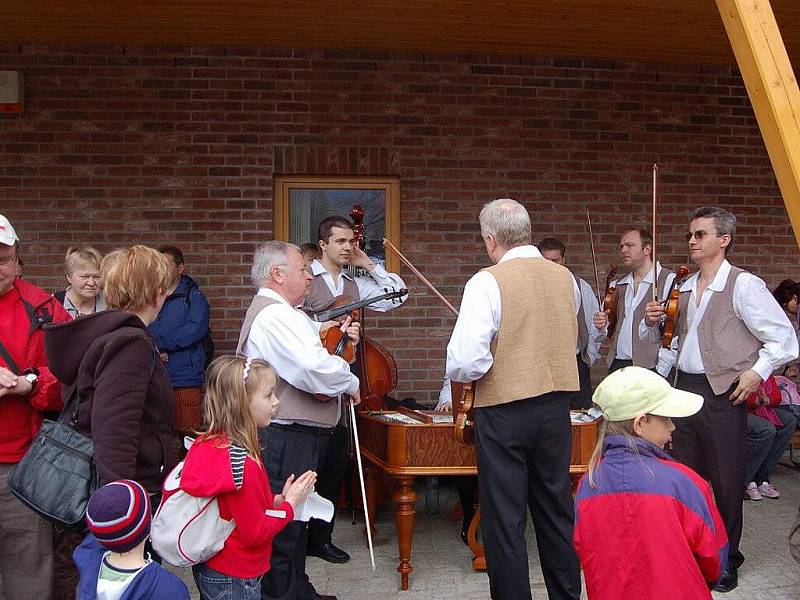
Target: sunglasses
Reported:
[(698, 235)]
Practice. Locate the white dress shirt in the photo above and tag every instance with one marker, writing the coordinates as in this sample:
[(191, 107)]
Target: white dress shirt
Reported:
[(590, 307), (626, 328), (756, 307), (288, 340), (368, 287), (469, 356)]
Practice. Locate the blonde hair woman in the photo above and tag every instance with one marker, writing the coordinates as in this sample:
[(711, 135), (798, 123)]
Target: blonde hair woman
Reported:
[(84, 294)]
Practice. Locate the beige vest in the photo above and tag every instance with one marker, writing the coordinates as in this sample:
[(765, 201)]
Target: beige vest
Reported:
[(727, 347), (645, 352), (320, 297), (296, 405), (534, 347)]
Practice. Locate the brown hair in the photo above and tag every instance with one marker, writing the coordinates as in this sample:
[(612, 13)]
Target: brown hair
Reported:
[(310, 251), (324, 229), (644, 235), (623, 428), (226, 406), (134, 277), (81, 254)]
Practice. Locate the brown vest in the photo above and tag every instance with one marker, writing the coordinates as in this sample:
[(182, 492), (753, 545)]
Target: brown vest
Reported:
[(645, 352), (320, 297), (727, 347), (296, 405), (534, 347)]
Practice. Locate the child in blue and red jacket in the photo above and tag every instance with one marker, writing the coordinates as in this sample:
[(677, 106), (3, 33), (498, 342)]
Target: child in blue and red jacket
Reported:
[(646, 526)]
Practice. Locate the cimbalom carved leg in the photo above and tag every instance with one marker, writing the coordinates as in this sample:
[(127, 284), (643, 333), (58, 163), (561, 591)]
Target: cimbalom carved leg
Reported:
[(406, 498)]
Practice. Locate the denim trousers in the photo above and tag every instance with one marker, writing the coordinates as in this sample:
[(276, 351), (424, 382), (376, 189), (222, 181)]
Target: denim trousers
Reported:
[(213, 585)]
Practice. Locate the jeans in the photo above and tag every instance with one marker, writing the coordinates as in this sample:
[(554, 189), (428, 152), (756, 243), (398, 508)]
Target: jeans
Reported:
[(213, 585)]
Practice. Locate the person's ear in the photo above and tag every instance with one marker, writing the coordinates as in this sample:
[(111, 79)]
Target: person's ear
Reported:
[(638, 424), (181, 268)]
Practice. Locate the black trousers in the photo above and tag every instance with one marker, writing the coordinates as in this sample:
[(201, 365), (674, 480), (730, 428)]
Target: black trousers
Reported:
[(329, 482), (287, 450), (582, 398), (713, 442), (523, 451), (619, 363)]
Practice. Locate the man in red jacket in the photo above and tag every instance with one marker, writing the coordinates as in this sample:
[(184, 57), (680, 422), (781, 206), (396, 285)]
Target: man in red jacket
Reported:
[(27, 387)]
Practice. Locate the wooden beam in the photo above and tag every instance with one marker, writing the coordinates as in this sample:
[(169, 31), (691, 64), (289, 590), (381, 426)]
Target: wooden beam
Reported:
[(772, 87)]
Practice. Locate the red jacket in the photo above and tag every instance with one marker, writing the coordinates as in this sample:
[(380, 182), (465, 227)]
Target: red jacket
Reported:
[(650, 529), (208, 472), (21, 417)]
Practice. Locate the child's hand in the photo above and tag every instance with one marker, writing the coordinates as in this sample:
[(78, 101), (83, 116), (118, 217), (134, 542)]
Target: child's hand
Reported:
[(295, 491)]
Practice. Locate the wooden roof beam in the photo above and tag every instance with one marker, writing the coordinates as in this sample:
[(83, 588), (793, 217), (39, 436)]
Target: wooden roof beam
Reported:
[(772, 88)]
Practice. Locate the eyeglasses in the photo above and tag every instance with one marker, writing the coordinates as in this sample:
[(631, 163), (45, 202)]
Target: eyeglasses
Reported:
[(4, 260), (698, 235)]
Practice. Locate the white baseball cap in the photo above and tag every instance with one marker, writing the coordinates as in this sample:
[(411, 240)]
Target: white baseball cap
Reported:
[(633, 391), (7, 234)]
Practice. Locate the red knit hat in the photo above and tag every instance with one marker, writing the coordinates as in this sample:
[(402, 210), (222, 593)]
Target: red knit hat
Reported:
[(118, 515)]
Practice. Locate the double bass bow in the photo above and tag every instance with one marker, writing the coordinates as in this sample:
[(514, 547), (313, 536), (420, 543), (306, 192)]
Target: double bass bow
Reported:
[(464, 408), (610, 296)]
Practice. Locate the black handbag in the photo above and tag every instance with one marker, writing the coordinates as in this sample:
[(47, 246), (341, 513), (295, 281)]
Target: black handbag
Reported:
[(57, 475)]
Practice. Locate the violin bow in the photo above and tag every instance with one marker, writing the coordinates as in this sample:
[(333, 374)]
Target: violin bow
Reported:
[(655, 262), (361, 481), (406, 262), (594, 258)]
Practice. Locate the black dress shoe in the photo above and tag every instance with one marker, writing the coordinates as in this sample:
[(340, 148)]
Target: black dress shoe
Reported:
[(329, 552), (728, 581)]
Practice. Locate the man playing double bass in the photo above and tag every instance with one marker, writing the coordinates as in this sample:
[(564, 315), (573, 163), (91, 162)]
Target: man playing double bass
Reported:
[(635, 289), (515, 337), (731, 335), (331, 280)]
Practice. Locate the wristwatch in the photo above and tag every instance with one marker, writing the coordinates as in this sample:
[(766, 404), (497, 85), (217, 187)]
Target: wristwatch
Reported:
[(32, 376)]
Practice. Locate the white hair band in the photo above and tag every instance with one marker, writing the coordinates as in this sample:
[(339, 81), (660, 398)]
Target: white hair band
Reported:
[(246, 371)]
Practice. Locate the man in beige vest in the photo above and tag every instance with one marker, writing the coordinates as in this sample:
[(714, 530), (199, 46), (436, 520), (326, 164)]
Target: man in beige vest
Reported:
[(515, 337), (331, 279), (298, 438), (731, 335), (589, 337), (634, 291)]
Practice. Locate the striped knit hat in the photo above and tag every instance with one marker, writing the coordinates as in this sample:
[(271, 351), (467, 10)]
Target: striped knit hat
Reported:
[(118, 514)]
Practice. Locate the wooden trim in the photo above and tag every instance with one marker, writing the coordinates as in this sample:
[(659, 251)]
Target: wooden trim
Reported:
[(390, 185), (772, 87)]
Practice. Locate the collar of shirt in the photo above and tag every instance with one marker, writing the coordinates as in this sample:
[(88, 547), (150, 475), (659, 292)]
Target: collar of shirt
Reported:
[(527, 251), (717, 285), (628, 279), (317, 268), (270, 293)]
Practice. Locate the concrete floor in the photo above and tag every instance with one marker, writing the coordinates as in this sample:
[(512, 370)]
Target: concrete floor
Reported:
[(442, 567)]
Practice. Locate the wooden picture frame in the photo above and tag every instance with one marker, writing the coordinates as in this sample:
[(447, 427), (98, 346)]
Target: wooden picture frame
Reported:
[(302, 201)]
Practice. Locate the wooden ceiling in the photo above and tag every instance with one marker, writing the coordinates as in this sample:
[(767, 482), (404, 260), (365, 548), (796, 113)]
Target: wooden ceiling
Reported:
[(686, 31)]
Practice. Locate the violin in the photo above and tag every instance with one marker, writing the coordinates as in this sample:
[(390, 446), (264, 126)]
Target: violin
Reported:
[(610, 300), (668, 325)]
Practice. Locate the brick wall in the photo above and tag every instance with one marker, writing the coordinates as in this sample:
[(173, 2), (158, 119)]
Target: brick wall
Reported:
[(122, 144)]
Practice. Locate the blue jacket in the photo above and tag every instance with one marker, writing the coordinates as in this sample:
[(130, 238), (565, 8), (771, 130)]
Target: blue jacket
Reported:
[(179, 330), (153, 582)]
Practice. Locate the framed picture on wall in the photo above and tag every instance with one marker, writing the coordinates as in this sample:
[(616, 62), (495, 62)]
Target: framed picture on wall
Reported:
[(302, 202)]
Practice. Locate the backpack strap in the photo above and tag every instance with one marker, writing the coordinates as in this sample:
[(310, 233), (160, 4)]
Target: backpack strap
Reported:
[(10, 362)]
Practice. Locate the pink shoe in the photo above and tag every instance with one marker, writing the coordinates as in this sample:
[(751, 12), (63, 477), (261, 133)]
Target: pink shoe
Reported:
[(768, 491), (751, 492)]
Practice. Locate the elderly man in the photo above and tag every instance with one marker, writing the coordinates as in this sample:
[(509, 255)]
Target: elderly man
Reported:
[(515, 337), (310, 382), (731, 335), (27, 387)]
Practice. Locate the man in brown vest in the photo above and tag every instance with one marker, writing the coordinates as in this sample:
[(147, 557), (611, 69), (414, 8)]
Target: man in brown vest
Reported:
[(634, 290), (515, 337), (731, 335), (589, 337), (331, 279), (299, 435)]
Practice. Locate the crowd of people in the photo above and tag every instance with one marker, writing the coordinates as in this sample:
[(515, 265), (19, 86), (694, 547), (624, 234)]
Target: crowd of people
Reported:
[(691, 427)]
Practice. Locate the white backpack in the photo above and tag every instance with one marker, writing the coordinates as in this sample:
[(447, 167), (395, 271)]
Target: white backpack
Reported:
[(187, 530)]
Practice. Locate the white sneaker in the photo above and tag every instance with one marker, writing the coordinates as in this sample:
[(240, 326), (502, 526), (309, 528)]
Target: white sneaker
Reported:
[(767, 491), (751, 492)]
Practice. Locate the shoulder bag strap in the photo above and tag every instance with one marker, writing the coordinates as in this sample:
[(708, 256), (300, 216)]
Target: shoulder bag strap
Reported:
[(6, 355)]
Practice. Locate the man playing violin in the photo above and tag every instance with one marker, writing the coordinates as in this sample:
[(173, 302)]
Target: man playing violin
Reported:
[(731, 334), (299, 436), (330, 280), (635, 289), (589, 337), (515, 337)]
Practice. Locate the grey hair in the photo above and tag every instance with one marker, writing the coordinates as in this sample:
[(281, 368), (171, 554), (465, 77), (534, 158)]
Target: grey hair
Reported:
[(724, 221), (507, 221), (268, 255)]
